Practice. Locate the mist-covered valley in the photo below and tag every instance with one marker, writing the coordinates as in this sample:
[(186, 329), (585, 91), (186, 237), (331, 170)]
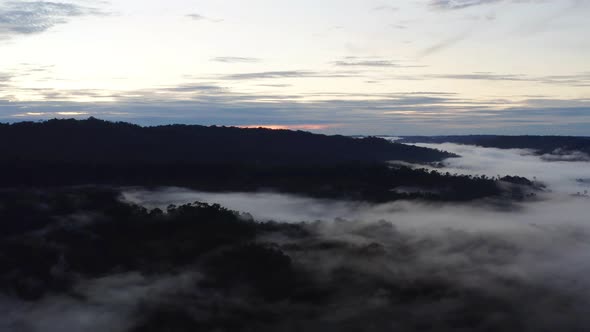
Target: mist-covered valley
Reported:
[(294, 166), (175, 259)]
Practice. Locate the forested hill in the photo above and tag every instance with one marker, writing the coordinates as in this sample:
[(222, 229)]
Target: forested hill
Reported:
[(223, 159), (94, 141), (542, 144)]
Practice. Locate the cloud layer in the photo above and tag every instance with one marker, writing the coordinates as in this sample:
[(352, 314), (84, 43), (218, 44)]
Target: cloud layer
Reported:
[(515, 261), (411, 266), (31, 17)]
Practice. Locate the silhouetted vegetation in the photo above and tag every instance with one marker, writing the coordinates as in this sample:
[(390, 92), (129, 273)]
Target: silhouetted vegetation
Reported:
[(71, 152), (375, 182), (64, 230), (103, 143), (89, 232), (243, 275)]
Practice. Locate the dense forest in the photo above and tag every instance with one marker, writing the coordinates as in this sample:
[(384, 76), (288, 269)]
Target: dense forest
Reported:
[(71, 152), (75, 255), (541, 144), (98, 142), (200, 267)]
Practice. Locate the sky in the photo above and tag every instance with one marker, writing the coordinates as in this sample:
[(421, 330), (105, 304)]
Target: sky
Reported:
[(422, 67)]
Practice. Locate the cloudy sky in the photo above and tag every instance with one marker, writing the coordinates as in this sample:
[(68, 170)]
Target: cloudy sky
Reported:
[(336, 66)]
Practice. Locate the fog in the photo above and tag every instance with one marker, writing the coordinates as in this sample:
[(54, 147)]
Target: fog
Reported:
[(533, 254), (103, 304), (557, 220), (395, 266), (562, 204), (559, 174)]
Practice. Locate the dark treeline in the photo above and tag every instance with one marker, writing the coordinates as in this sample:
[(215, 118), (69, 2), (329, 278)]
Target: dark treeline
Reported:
[(100, 142), (542, 144), (242, 275), (375, 182), (71, 152)]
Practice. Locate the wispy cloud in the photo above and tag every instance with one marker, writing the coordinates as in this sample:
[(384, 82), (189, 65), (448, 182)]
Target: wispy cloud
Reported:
[(386, 8), (462, 4), (366, 63), (377, 113), (209, 88), (371, 62), (442, 45), (483, 76), (270, 74), (199, 17), (5, 77), (196, 17), (459, 4), (574, 80), (235, 59), (285, 74), (31, 17)]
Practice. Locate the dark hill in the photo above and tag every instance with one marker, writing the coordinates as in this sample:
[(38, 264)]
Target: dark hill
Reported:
[(95, 141), (95, 152)]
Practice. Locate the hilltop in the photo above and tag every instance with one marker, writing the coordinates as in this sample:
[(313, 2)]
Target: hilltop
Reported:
[(95, 141)]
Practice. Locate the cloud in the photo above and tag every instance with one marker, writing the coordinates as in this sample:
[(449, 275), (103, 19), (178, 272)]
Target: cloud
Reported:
[(443, 45), (32, 17), (270, 74), (284, 74), (399, 26), (481, 260), (209, 88), (579, 80), (561, 178), (574, 80), (482, 76), (199, 17), (462, 4), (216, 103), (109, 303), (196, 17), (233, 59), (560, 175), (481, 266), (386, 8), (354, 61), (366, 63), (459, 4), (5, 79)]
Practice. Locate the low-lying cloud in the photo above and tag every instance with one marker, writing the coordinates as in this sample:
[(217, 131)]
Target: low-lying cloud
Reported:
[(102, 304), (406, 265), (533, 255), (561, 174)]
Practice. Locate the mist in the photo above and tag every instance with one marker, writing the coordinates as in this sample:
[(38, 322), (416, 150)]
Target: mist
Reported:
[(532, 253), (561, 203), (561, 172), (484, 265)]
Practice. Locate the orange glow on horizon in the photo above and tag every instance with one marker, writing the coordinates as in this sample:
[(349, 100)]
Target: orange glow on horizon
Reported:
[(292, 127)]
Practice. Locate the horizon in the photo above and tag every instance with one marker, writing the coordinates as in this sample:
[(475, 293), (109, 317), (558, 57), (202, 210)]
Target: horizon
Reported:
[(427, 67), (266, 165), (272, 127)]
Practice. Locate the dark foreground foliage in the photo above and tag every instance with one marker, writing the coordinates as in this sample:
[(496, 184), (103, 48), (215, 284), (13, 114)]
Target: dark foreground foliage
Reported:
[(241, 275)]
